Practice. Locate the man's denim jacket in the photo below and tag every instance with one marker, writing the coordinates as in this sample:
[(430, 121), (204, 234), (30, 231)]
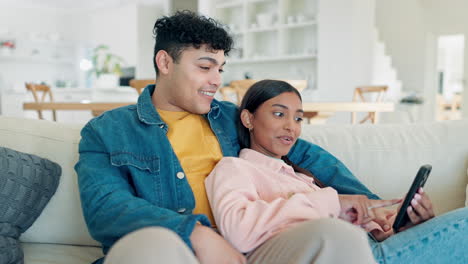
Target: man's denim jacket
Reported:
[(129, 176)]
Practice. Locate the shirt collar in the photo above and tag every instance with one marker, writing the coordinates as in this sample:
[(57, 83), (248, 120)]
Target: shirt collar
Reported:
[(145, 108), (147, 112), (264, 160)]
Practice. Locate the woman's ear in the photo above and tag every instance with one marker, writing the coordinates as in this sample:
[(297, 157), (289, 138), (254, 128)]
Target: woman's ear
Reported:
[(163, 61), (246, 119)]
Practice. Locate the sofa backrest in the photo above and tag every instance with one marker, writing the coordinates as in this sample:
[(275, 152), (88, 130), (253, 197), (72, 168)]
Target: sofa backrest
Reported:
[(387, 157), (62, 220)]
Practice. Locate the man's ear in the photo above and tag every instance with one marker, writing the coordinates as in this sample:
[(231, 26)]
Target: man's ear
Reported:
[(246, 119), (163, 61)]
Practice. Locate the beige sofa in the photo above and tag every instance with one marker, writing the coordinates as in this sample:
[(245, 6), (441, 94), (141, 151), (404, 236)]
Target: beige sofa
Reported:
[(384, 157)]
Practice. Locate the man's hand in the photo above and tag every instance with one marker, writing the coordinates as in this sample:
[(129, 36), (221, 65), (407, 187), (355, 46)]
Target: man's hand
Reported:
[(384, 218), (211, 248), (357, 208)]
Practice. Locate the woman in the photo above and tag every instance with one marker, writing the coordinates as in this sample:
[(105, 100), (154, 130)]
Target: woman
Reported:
[(257, 197)]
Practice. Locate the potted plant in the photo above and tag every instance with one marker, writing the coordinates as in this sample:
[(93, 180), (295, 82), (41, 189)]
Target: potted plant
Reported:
[(107, 67)]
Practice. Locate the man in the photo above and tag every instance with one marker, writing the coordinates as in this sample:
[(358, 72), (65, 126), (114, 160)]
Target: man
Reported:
[(142, 167)]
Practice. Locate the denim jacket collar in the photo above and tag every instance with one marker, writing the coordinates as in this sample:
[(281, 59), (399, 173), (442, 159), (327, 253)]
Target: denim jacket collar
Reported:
[(147, 112), (145, 108)]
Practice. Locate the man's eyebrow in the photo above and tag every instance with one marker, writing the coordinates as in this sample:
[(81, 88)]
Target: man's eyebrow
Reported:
[(214, 61), (285, 107)]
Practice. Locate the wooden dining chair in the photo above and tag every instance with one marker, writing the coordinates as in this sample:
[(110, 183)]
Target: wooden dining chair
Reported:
[(237, 89), (372, 93), (448, 110), (300, 85), (139, 85), (40, 93), (228, 93)]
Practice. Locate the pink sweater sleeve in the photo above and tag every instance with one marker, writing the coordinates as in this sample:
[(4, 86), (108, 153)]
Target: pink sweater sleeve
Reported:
[(246, 220)]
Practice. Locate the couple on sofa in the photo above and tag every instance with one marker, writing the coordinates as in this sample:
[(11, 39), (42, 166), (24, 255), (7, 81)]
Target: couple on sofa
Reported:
[(146, 194)]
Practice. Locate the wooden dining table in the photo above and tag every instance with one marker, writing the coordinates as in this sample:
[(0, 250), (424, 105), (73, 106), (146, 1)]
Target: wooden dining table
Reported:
[(316, 112), (319, 112)]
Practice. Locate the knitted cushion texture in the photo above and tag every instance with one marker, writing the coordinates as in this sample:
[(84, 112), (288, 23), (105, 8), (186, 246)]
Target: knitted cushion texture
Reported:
[(27, 182)]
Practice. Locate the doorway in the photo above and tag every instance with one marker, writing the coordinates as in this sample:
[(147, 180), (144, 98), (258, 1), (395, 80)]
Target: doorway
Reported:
[(450, 76)]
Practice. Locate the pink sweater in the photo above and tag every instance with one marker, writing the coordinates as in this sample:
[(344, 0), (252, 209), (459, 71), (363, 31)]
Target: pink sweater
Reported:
[(254, 197)]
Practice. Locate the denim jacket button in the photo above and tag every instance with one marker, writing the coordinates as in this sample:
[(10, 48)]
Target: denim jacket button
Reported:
[(180, 175), (181, 210)]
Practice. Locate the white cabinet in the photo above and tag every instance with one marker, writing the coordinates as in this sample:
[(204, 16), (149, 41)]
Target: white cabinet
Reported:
[(272, 39)]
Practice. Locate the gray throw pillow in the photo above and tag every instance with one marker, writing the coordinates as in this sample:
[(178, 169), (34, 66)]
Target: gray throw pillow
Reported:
[(10, 251), (27, 182)]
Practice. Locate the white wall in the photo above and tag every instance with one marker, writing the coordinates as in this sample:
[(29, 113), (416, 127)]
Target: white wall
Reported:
[(446, 17), (128, 31), (146, 18), (402, 28), (22, 21), (191, 5), (346, 39), (115, 27), (34, 28)]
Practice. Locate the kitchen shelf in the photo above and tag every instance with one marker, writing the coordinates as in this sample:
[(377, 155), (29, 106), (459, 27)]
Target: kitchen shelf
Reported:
[(277, 37), (265, 29), (299, 25)]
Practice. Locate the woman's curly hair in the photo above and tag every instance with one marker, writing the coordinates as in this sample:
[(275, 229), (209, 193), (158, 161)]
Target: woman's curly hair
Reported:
[(187, 29)]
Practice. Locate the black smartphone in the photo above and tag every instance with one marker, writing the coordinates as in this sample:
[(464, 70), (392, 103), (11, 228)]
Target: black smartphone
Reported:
[(419, 181)]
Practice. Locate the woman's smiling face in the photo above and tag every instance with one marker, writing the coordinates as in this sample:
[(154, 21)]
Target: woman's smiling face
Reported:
[(275, 125)]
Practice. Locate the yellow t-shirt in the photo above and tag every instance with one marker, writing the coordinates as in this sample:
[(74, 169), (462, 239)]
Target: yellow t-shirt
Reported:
[(198, 151)]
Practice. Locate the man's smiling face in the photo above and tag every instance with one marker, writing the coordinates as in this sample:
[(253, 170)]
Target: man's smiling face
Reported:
[(195, 78)]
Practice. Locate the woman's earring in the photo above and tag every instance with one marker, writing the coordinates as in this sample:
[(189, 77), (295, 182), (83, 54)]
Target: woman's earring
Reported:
[(249, 127)]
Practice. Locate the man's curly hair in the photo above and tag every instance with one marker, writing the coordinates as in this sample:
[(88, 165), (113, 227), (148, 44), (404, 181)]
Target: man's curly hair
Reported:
[(187, 29)]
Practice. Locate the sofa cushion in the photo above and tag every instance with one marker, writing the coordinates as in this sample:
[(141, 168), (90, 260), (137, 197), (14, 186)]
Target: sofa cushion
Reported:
[(58, 142), (27, 182), (53, 253)]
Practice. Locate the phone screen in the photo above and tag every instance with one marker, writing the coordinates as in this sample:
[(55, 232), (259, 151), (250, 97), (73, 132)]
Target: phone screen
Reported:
[(421, 177)]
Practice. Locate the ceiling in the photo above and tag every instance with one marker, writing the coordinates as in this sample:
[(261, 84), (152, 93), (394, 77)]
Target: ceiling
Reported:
[(72, 4)]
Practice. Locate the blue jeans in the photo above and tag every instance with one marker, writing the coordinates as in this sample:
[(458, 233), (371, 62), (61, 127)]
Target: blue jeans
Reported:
[(443, 239)]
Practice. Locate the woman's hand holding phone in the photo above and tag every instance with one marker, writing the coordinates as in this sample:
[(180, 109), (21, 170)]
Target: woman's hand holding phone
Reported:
[(417, 207), (421, 209)]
